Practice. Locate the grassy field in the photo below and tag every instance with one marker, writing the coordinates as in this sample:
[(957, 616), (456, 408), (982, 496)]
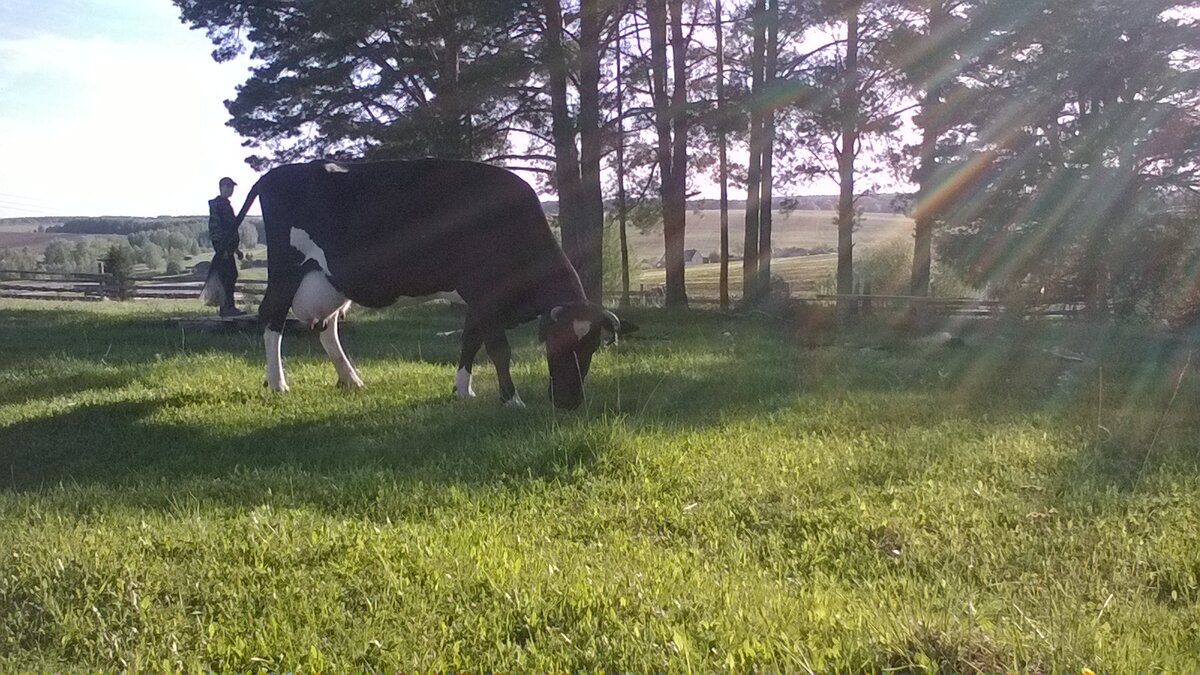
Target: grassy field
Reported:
[(806, 274), (805, 229), (735, 495)]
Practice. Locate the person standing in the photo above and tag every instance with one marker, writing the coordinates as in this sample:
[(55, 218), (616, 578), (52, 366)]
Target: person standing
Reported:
[(223, 232)]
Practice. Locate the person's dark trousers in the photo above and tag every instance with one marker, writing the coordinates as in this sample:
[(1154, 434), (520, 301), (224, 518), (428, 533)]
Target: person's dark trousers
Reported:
[(225, 265)]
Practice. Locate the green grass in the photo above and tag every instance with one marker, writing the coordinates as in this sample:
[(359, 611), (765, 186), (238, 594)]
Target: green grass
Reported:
[(735, 495)]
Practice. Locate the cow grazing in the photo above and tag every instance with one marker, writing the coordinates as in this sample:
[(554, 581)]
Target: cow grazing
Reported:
[(375, 232)]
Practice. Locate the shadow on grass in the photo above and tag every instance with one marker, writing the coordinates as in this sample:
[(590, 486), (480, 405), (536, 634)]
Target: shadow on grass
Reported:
[(744, 369), (164, 438), (64, 385)]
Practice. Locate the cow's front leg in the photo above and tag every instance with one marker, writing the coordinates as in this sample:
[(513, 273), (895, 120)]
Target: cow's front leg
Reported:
[(472, 339), (501, 354), (347, 376)]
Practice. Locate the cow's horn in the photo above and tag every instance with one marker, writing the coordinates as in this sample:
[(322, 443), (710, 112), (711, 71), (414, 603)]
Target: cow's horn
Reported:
[(611, 320)]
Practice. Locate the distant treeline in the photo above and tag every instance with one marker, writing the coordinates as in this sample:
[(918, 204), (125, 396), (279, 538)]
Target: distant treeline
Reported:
[(130, 225), (162, 243)]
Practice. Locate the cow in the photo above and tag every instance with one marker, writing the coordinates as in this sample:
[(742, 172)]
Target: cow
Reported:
[(374, 232)]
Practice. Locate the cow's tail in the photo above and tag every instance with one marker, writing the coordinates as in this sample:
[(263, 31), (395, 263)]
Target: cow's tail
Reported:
[(250, 197)]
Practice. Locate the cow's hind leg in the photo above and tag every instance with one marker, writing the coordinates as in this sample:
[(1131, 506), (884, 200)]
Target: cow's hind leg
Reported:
[(273, 314), (347, 375), (501, 354), (321, 305), (472, 339)]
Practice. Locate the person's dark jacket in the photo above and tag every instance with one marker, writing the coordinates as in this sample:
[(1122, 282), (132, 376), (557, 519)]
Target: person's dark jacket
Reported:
[(222, 225)]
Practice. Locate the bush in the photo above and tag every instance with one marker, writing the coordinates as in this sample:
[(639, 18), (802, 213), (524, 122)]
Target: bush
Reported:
[(19, 259), (887, 270), (119, 263)]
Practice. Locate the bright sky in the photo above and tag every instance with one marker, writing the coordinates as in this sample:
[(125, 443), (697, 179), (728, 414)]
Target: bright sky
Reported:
[(112, 107)]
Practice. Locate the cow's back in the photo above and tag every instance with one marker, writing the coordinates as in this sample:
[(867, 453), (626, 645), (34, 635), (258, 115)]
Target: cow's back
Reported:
[(410, 228)]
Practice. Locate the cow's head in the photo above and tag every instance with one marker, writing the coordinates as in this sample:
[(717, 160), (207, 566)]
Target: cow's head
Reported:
[(572, 333)]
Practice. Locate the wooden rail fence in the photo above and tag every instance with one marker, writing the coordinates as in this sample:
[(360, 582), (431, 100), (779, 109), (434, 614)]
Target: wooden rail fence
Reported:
[(29, 284)]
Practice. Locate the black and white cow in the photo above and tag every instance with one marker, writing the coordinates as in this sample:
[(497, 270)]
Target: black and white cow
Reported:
[(375, 232)]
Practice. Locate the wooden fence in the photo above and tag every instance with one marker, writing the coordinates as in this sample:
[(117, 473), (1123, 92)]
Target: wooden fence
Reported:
[(26, 284), (860, 303)]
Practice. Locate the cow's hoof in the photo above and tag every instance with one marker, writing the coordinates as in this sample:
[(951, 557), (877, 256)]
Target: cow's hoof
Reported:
[(280, 387), (515, 403), (458, 393), (352, 384)]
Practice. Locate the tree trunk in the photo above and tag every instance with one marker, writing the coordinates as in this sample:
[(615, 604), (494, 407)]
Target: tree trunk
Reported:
[(566, 155), (754, 169), (845, 157), (768, 151), (722, 156), (448, 99), (670, 121), (591, 230), (622, 205), (925, 215)]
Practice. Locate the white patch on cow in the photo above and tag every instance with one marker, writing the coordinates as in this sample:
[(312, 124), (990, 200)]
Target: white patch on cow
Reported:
[(316, 299), (462, 384), (335, 168), (582, 328), (300, 240), (347, 375), (273, 341), (451, 297), (515, 402)]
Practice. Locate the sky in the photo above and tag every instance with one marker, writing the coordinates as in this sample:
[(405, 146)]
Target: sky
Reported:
[(112, 107)]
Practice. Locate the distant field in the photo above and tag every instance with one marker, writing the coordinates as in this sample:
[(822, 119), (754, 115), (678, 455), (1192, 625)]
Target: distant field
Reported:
[(806, 274), (806, 229), (22, 233)]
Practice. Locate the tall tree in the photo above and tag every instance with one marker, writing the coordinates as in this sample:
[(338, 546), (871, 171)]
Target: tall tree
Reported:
[(851, 101), (371, 79), (672, 124), (578, 137), (767, 151), (619, 170), (722, 152), (846, 154), (750, 243), (934, 66), (1088, 121), (568, 181), (593, 15)]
